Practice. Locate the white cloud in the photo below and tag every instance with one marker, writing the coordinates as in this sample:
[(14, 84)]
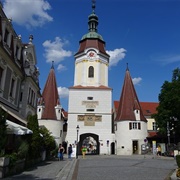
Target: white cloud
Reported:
[(61, 68), (54, 50), (168, 59), (116, 55), (31, 13), (136, 81), (63, 92)]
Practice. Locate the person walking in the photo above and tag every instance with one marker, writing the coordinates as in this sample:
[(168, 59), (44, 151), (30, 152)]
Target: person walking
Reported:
[(69, 151), (60, 152), (84, 149), (159, 150)]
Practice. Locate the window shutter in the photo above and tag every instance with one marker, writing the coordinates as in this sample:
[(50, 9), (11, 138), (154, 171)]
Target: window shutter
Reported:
[(139, 125)]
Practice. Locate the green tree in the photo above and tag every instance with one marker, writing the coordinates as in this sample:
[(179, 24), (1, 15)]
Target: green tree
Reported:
[(35, 141), (48, 141), (3, 131), (169, 105)]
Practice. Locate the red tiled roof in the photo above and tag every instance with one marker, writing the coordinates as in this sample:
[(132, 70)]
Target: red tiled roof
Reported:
[(128, 101), (152, 134), (92, 43), (149, 108), (64, 113), (50, 96)]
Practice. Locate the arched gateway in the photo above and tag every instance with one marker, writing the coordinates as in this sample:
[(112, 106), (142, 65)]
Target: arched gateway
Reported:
[(91, 141)]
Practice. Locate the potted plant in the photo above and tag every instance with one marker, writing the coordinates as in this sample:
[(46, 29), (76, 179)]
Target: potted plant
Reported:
[(178, 164), (4, 161)]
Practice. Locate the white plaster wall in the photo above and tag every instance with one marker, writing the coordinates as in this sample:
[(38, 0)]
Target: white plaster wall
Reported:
[(76, 96), (103, 128), (55, 127), (124, 137), (100, 73)]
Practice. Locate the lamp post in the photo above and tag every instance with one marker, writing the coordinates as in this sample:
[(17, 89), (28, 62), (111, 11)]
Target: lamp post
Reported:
[(77, 128), (168, 133)]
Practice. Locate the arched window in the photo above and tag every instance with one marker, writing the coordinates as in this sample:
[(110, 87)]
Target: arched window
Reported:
[(91, 72)]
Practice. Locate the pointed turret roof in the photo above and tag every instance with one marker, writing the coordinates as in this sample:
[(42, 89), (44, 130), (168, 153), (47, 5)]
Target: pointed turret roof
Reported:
[(50, 96), (128, 101)]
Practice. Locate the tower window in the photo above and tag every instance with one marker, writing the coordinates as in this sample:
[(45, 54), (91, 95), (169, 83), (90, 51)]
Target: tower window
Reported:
[(90, 98), (91, 72), (89, 109)]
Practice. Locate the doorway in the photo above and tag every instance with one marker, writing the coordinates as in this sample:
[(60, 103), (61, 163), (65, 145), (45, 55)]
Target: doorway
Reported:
[(91, 141), (135, 147)]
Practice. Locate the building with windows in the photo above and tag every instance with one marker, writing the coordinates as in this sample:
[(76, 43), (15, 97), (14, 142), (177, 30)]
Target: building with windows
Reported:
[(90, 99), (50, 112), (19, 76), (102, 130)]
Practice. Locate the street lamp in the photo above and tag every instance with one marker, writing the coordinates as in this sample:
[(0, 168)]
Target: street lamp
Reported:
[(168, 133), (77, 128)]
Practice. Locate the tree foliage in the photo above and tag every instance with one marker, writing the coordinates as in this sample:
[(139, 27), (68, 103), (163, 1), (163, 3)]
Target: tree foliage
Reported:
[(48, 140), (3, 131), (169, 105), (35, 141)]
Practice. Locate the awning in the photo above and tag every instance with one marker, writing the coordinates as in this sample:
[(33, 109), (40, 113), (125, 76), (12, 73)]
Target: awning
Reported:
[(13, 128), (12, 113)]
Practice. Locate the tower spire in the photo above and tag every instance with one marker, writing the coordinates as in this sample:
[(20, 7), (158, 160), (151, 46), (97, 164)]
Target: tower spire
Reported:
[(127, 68), (52, 67), (93, 19), (93, 6)]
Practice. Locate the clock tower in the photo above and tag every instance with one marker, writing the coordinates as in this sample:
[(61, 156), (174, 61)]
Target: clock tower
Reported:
[(90, 99), (91, 60)]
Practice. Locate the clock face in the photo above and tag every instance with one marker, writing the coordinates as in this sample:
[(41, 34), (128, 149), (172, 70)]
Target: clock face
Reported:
[(91, 54)]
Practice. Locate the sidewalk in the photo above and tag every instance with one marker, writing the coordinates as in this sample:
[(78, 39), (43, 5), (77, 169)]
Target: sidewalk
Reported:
[(52, 169), (67, 172)]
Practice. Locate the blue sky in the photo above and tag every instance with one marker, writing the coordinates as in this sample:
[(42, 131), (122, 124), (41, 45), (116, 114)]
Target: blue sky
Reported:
[(143, 33)]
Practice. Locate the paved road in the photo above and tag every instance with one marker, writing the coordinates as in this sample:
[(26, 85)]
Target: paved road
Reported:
[(136, 167), (125, 168)]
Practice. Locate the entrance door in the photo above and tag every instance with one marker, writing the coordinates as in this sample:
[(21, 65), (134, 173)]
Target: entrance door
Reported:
[(112, 148), (135, 147), (91, 141)]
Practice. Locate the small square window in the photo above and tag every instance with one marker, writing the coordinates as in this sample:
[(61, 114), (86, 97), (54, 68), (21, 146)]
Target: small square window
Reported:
[(89, 109), (90, 98)]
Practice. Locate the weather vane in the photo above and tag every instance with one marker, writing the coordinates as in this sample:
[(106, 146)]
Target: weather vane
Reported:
[(93, 5)]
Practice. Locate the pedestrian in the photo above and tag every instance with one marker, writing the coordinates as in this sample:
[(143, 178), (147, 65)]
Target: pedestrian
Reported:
[(84, 149), (159, 150), (60, 152), (69, 151)]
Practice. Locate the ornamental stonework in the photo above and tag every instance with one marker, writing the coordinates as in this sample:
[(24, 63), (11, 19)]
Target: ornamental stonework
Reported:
[(89, 120), (90, 104)]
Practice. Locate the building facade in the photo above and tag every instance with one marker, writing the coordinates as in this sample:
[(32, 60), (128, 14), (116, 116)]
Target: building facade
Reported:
[(90, 99), (19, 76), (49, 110)]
